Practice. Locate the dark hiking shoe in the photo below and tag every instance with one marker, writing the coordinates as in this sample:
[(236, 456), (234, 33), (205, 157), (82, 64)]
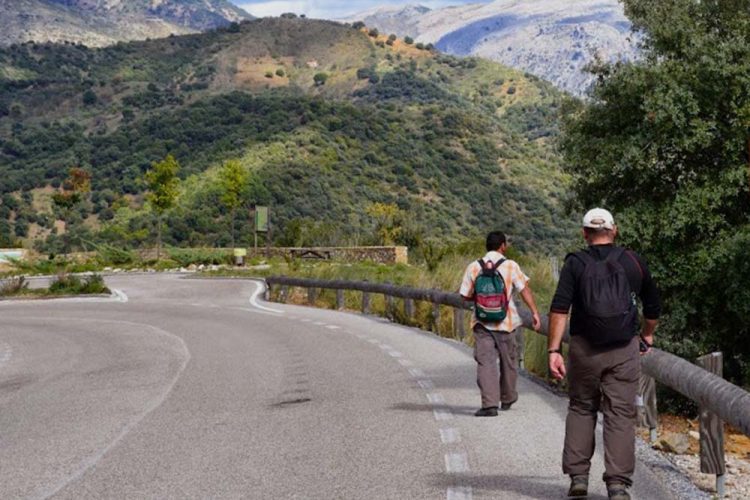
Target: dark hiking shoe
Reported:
[(486, 412), (617, 491), (579, 486), (506, 406)]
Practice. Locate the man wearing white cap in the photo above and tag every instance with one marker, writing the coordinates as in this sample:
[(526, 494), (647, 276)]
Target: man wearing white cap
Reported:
[(601, 283)]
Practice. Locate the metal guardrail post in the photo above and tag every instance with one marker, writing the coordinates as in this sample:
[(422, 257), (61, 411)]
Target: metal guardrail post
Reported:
[(284, 294), (648, 415), (435, 317), (458, 323), (712, 429), (311, 296), (340, 299), (365, 302), (409, 309), (389, 307)]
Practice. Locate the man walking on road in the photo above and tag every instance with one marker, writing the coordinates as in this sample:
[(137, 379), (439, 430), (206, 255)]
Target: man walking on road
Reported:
[(601, 284), (489, 282)]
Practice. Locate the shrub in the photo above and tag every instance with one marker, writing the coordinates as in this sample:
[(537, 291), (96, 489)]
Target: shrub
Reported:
[(280, 73), (408, 40), (269, 74), (358, 25), (320, 79), (374, 32), (206, 256), (13, 286)]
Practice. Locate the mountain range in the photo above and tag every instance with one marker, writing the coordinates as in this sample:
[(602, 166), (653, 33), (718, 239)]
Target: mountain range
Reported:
[(333, 123), (552, 39), (103, 22)]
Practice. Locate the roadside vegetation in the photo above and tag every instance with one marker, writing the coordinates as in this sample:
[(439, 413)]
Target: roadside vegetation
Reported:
[(60, 286)]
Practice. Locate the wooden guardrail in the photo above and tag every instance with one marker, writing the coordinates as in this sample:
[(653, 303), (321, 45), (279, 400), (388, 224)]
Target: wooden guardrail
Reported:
[(718, 399)]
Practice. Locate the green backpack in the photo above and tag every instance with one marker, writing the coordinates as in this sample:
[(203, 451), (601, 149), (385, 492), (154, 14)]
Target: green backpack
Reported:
[(491, 300)]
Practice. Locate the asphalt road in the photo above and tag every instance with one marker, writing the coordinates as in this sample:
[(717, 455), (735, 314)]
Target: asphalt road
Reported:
[(188, 389)]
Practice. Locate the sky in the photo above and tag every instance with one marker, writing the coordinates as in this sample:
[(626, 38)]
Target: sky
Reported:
[(331, 9)]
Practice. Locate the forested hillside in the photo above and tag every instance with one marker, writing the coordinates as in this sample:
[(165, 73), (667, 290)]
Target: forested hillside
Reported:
[(331, 123)]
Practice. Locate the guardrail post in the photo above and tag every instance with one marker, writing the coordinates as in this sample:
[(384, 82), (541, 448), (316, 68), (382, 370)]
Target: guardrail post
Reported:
[(267, 293), (339, 299), (409, 310), (365, 303), (712, 429), (458, 323), (521, 346), (311, 296), (435, 317), (284, 294), (389, 308), (648, 416)]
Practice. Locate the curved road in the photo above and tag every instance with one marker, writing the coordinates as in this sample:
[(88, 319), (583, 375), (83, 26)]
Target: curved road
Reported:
[(190, 389)]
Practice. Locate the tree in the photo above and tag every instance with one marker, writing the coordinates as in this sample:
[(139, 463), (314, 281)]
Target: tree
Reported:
[(70, 195), (408, 40), (89, 98), (233, 181), (320, 79), (387, 218), (163, 190), (665, 142)]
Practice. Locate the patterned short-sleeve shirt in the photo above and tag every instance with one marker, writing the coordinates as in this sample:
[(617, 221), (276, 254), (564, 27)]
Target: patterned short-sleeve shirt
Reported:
[(515, 281)]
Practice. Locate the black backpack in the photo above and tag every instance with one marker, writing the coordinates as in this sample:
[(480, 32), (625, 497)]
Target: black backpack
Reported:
[(609, 306)]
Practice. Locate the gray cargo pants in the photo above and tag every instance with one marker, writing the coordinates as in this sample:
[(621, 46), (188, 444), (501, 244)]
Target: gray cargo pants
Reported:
[(603, 379), (496, 386)]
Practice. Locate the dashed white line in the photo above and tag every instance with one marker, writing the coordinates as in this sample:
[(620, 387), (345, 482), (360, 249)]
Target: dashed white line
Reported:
[(456, 462), (416, 372), (459, 493), (435, 398), (395, 354), (373, 341), (426, 384), (6, 352), (333, 327), (449, 435), (386, 347), (442, 414), (405, 362), (319, 323)]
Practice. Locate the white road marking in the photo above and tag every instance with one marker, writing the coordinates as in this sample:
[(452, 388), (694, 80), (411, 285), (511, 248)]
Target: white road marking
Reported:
[(6, 352), (305, 320), (426, 384), (456, 462), (459, 493), (395, 354), (333, 327), (260, 288), (319, 323), (92, 460), (416, 372), (450, 435), (442, 414), (405, 362), (373, 341), (120, 296), (435, 398), (386, 347)]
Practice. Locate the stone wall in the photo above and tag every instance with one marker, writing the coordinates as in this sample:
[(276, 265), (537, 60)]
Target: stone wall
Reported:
[(381, 255)]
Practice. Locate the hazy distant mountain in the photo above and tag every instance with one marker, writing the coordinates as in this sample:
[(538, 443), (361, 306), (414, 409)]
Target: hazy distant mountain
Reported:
[(103, 22), (553, 39)]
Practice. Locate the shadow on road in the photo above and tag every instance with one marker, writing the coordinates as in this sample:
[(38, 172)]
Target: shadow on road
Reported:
[(524, 486), (457, 410)]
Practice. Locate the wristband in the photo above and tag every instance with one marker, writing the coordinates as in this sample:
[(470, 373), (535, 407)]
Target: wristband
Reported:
[(554, 351)]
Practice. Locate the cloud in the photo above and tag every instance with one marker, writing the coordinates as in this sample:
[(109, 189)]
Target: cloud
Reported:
[(330, 9)]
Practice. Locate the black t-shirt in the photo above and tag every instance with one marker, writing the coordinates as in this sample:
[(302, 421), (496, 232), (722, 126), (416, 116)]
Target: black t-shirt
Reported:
[(636, 270)]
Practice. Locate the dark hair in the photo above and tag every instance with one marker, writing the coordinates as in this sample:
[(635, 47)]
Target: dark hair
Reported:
[(595, 231), (494, 240)]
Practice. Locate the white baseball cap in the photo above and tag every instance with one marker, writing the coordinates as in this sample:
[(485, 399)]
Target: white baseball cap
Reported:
[(598, 218)]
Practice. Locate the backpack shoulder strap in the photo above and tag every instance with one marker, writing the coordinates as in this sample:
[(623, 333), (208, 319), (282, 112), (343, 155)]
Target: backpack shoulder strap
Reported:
[(583, 256), (615, 254), (635, 260), (481, 263)]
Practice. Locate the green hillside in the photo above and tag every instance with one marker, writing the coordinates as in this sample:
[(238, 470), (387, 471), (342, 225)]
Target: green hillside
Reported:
[(328, 118)]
